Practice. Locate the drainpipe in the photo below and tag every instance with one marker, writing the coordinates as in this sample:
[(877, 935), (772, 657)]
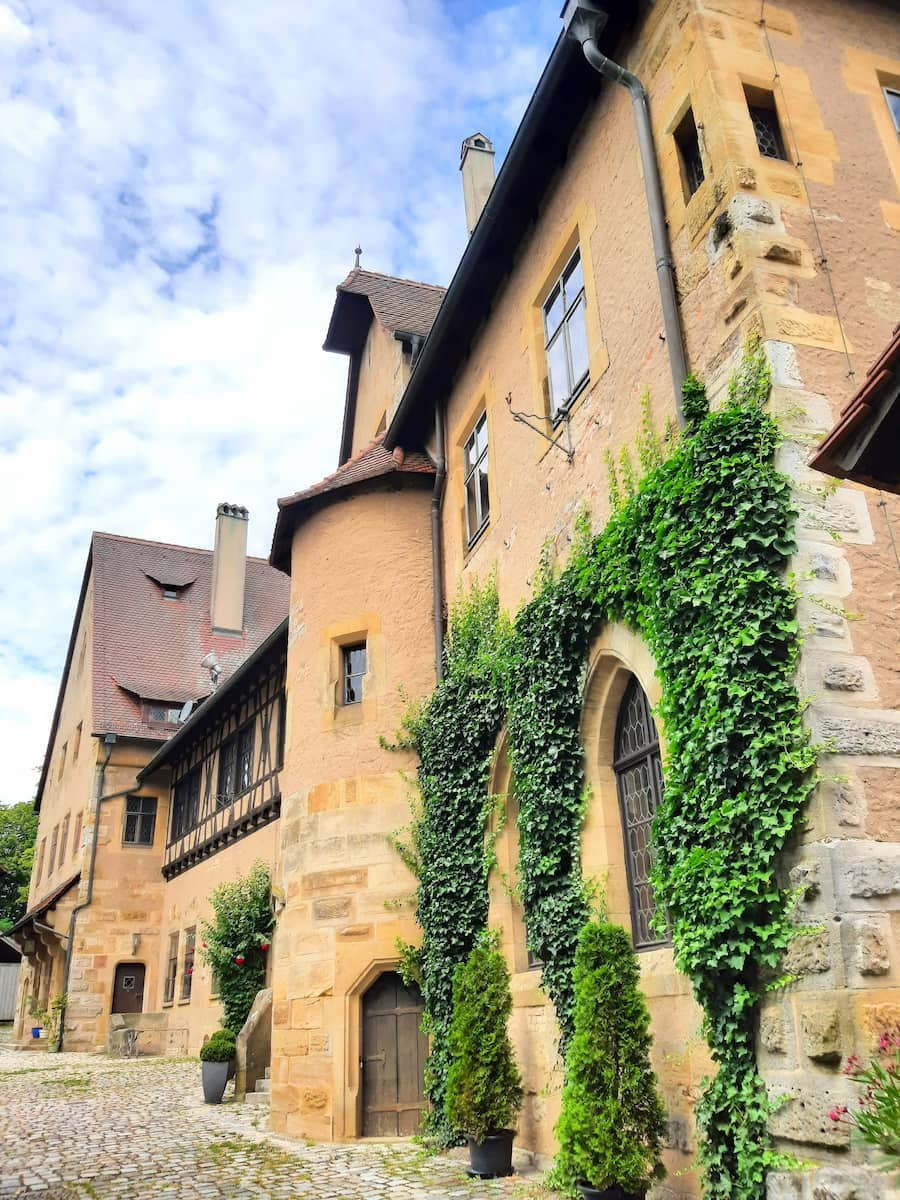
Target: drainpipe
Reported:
[(109, 741), (583, 20), (437, 501)]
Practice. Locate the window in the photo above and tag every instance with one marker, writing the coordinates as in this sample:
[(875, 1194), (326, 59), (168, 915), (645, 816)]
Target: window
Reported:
[(53, 841), (688, 142), (40, 862), (565, 336), (76, 741), (766, 126), (140, 821), (235, 765), (159, 712), (63, 839), (170, 593), (892, 96), (353, 668), (185, 804), (76, 836), (62, 760), (187, 966), (478, 497), (639, 778), (171, 969)]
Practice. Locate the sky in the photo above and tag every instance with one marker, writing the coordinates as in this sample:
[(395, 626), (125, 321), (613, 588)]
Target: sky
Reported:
[(182, 185)]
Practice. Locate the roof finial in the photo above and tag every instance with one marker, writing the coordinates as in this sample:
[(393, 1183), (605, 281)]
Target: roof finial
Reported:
[(357, 252)]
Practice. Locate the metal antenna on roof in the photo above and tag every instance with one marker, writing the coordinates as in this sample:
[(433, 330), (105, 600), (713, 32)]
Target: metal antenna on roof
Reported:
[(357, 252)]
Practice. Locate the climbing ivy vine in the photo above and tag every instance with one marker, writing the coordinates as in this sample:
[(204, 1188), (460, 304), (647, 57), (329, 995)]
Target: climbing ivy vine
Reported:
[(692, 559)]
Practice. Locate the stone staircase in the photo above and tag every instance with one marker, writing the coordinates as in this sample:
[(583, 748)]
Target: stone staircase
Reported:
[(261, 1093)]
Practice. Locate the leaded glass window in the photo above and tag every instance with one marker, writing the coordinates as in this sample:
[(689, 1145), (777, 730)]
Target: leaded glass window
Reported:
[(638, 769)]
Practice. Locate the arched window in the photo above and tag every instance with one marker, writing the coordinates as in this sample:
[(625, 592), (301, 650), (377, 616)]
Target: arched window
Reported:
[(640, 782)]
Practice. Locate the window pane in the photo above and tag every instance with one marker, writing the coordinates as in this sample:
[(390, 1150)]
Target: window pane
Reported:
[(768, 132), (558, 373), (472, 521), (553, 312), (578, 346), (481, 437), (356, 660), (893, 102), (574, 280), (484, 493), (131, 828)]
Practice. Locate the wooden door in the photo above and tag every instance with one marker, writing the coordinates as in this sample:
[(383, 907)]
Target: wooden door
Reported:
[(128, 989), (393, 1058)]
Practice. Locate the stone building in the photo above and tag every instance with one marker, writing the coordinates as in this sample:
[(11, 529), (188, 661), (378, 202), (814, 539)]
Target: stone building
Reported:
[(477, 422)]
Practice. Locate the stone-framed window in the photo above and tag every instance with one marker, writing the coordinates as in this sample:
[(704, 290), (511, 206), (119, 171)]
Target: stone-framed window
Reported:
[(353, 669), (76, 835), (565, 336), (63, 839), (690, 158), (140, 821), (638, 769), (187, 964), (477, 489), (52, 860), (171, 970)]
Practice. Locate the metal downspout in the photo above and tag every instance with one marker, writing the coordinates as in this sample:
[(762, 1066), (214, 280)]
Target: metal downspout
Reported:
[(110, 741), (437, 501), (665, 266)]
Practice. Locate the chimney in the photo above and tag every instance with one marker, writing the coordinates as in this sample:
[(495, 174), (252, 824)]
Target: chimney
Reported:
[(226, 597), (477, 165)]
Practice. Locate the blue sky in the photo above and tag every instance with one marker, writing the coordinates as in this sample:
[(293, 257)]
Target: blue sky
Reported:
[(181, 187)]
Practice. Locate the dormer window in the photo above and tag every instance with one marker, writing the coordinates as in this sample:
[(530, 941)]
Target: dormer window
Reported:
[(171, 593), (160, 712)]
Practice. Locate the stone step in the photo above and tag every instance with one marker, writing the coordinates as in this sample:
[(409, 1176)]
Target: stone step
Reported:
[(264, 1085), (268, 1072), (256, 1098)]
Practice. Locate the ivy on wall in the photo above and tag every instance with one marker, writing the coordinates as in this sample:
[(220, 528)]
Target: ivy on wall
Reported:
[(692, 559)]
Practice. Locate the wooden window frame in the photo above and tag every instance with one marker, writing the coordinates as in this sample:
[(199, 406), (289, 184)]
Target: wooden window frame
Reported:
[(141, 817), (562, 330), (171, 979), (236, 765), (348, 676), (185, 804), (476, 467)]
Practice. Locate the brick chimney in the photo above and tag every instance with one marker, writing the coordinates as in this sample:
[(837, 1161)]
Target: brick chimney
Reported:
[(477, 165), (226, 597)]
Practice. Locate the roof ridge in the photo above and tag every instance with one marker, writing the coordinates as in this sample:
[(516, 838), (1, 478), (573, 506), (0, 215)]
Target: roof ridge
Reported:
[(437, 287), (124, 537)]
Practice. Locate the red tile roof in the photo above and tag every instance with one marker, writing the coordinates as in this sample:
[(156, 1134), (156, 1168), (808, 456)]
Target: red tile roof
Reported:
[(149, 648), (373, 462), (860, 408), (44, 905), (401, 305)]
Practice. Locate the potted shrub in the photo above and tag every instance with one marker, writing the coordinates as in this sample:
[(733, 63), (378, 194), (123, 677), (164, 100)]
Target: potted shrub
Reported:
[(38, 1017), (612, 1120), (216, 1055), (484, 1088)]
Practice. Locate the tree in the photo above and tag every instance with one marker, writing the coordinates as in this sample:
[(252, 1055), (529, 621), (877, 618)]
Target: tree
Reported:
[(18, 830)]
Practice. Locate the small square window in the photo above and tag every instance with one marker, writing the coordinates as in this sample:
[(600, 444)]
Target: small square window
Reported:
[(140, 821), (475, 463), (565, 336), (158, 712), (687, 139), (892, 96), (171, 593), (353, 668), (766, 126)]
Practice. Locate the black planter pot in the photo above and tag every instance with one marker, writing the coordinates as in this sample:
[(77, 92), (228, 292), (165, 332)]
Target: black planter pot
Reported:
[(214, 1076), (491, 1158), (610, 1193)]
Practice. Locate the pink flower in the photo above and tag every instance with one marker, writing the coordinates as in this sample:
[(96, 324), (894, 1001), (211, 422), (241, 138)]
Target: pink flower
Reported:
[(852, 1064), (884, 1041)]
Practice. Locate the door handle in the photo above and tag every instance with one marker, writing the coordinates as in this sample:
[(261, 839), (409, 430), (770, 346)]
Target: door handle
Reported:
[(379, 1058)]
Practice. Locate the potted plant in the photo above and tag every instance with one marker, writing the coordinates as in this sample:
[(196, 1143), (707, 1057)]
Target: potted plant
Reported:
[(484, 1088), (38, 1016), (216, 1055), (612, 1119)]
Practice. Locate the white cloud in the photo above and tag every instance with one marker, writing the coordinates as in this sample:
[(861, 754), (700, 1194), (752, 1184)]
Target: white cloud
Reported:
[(183, 188)]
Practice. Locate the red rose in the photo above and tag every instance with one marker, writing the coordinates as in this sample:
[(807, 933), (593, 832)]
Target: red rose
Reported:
[(239, 959)]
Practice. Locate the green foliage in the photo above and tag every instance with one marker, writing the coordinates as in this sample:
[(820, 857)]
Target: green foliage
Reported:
[(242, 924), (454, 733), (220, 1047), (484, 1088), (612, 1119), (18, 829), (692, 559), (694, 402)]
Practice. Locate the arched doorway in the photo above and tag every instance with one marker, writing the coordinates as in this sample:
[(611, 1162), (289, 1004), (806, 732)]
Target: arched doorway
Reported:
[(394, 1051), (128, 988), (639, 779)]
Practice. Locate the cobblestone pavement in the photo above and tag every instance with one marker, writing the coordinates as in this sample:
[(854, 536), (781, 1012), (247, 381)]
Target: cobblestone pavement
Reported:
[(85, 1127)]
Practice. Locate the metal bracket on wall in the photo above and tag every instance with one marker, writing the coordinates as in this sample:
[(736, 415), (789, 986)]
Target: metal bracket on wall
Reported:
[(526, 418)]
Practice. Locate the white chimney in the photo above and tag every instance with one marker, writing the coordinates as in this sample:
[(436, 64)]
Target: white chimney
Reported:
[(477, 165), (226, 597)]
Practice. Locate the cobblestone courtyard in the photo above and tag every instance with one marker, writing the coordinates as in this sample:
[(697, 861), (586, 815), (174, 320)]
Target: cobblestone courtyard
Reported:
[(83, 1127)]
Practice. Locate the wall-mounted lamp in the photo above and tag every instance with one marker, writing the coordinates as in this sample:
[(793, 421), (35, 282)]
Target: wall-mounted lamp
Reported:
[(135, 942)]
